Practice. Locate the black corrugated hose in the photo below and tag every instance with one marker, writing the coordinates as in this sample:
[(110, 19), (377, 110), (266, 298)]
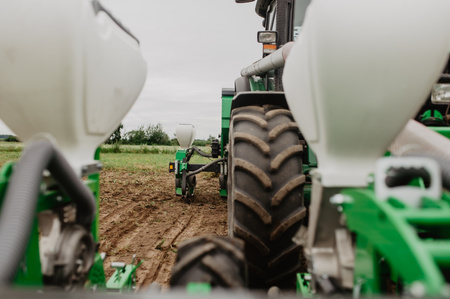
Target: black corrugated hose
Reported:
[(204, 167), (201, 153), (19, 205)]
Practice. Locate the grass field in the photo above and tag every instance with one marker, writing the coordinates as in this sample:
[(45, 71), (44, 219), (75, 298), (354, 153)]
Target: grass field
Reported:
[(129, 157)]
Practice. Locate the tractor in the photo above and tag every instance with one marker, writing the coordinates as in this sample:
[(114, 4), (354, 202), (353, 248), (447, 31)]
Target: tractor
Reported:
[(336, 172), (70, 72), (185, 179), (337, 154)]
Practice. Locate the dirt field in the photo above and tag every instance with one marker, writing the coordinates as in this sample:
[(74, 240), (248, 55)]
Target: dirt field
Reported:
[(140, 214)]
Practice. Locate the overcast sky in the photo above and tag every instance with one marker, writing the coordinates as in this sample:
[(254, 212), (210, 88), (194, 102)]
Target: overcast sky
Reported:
[(193, 49)]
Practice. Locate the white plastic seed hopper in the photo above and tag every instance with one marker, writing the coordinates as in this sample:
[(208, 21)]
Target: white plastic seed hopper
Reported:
[(185, 135), (358, 72), (68, 71)]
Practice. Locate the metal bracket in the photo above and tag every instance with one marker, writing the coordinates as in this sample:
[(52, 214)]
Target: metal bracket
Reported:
[(91, 169), (408, 194)]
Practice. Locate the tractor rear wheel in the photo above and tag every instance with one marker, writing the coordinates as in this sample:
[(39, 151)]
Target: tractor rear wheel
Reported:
[(265, 192), (216, 260)]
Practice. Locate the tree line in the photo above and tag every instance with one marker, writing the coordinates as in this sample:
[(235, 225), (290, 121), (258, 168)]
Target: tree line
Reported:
[(149, 135)]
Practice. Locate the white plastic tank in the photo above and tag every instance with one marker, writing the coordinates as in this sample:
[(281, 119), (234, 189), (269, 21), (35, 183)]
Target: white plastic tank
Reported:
[(67, 70), (185, 135), (358, 71)]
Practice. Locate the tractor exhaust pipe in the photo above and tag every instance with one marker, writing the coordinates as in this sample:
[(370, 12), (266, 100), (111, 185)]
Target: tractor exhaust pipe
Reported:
[(271, 62), (19, 206)]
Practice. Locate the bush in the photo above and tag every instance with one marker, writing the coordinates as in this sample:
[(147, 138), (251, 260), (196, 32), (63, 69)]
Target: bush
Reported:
[(116, 147), (12, 139), (154, 150), (144, 149)]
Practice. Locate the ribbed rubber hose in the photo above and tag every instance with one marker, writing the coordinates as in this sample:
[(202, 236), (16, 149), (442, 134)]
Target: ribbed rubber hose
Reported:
[(19, 205), (201, 153)]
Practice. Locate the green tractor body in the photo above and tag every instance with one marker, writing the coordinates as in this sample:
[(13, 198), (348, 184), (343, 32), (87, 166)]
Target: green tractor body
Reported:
[(312, 201), (374, 241)]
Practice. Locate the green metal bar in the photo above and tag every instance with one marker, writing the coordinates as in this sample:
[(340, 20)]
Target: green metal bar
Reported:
[(383, 231), (5, 173), (29, 273), (223, 193), (303, 285), (445, 131), (426, 218), (179, 156), (225, 129), (440, 251), (97, 278), (122, 279), (312, 160), (256, 84), (93, 183), (198, 288)]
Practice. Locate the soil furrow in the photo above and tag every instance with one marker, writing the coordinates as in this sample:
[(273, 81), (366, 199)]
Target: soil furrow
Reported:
[(142, 217)]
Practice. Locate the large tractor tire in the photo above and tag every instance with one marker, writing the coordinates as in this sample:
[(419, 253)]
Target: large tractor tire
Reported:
[(216, 260), (265, 193)]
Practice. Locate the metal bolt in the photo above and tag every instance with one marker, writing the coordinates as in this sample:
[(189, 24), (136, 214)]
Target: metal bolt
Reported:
[(59, 198)]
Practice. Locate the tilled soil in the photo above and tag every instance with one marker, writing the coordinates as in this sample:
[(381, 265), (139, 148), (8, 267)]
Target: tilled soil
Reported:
[(140, 214)]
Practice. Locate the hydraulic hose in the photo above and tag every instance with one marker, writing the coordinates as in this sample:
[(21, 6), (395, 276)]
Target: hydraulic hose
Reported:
[(194, 149), (20, 201), (204, 167), (201, 153)]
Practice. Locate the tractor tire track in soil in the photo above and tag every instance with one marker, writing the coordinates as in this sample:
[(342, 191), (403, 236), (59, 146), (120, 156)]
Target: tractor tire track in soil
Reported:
[(140, 214)]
